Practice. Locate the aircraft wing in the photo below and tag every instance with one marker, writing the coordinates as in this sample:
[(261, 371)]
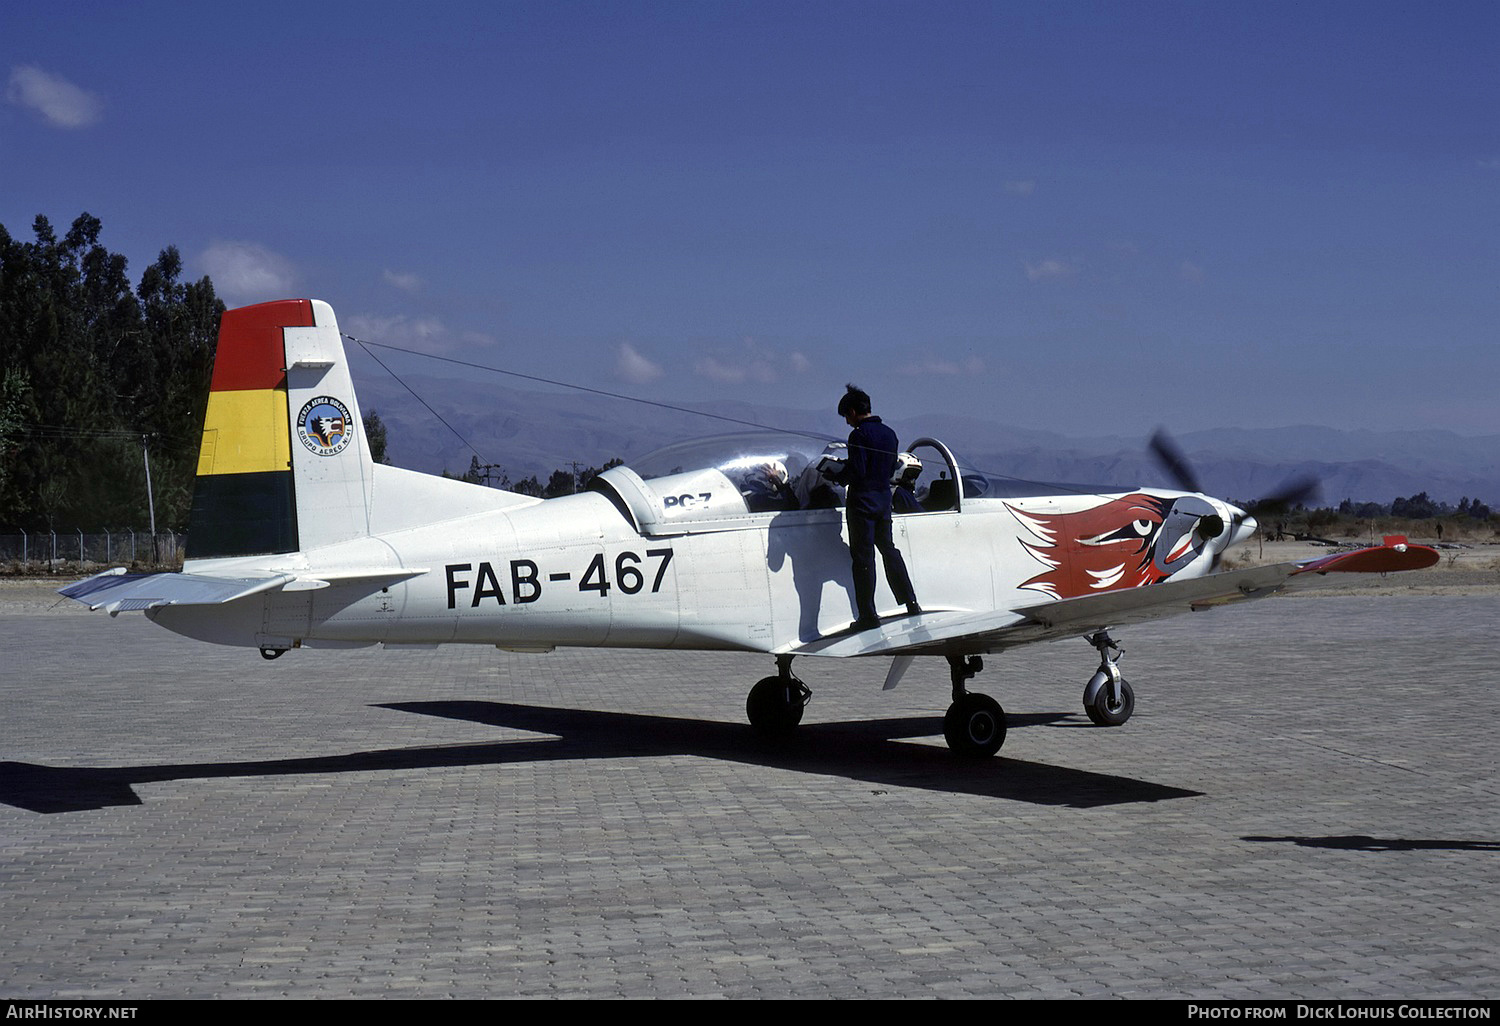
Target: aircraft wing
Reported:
[(963, 632), (117, 591)]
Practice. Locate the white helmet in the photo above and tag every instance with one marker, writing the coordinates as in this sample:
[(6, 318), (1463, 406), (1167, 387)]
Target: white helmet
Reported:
[(908, 469)]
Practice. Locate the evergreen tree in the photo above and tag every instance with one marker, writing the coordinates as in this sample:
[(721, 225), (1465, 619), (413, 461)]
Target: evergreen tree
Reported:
[(92, 372), (375, 435)]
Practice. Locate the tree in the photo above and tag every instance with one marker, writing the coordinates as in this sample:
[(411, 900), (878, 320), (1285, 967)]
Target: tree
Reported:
[(560, 483), (585, 476), (89, 368), (1418, 507), (375, 435), (14, 390)]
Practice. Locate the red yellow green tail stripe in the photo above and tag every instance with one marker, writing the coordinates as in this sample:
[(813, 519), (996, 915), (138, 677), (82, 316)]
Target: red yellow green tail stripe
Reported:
[(243, 499)]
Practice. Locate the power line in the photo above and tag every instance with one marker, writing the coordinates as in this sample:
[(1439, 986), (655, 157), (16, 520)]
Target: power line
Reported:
[(579, 388), (366, 347), (822, 438)]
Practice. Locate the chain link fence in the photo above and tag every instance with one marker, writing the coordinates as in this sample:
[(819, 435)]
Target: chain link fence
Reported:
[(49, 550)]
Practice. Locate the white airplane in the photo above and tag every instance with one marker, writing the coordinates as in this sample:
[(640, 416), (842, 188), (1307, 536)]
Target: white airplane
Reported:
[(297, 539)]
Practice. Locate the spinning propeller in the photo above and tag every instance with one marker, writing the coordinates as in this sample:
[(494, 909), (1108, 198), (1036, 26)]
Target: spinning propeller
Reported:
[(1175, 463)]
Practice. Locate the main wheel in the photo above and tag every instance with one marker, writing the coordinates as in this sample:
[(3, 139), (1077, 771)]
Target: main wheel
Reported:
[(775, 705), (975, 726), (1111, 714)]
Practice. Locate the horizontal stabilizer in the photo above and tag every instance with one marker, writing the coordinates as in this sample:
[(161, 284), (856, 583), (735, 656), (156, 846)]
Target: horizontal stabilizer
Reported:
[(117, 591), (375, 577)]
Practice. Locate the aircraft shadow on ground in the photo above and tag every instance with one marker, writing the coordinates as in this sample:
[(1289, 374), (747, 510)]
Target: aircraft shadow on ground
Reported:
[(1362, 842), (866, 750)]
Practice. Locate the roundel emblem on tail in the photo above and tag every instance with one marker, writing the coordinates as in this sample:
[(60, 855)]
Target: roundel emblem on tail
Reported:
[(324, 426)]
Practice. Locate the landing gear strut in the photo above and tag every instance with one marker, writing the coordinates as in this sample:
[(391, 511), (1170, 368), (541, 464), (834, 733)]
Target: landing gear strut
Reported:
[(1108, 698), (775, 704), (975, 723)]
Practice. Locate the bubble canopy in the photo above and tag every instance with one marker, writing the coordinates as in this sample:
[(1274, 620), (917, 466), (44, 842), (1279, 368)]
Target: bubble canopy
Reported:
[(726, 480), (723, 452)]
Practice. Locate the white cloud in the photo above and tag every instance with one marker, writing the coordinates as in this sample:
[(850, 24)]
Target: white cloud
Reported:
[(631, 366), (425, 333), (244, 272), (403, 281), (753, 361), (1050, 270), (728, 371), (940, 366), (59, 101)]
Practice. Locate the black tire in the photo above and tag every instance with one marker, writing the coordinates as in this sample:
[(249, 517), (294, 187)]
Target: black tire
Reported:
[(1107, 714), (975, 726), (775, 705)]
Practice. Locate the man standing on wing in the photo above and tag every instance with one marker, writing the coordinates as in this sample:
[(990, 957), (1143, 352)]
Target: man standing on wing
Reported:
[(867, 477)]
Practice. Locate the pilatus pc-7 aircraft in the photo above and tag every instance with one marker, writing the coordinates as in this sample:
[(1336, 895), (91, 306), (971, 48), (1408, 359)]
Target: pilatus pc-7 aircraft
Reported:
[(298, 540)]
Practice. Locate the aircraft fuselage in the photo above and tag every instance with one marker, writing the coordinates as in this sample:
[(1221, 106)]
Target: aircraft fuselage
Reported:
[(573, 571)]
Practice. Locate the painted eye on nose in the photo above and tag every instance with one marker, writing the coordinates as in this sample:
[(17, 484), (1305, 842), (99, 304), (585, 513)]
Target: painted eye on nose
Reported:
[(1142, 527)]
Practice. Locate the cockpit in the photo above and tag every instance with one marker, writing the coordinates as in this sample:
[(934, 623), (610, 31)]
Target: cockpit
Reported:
[(740, 480)]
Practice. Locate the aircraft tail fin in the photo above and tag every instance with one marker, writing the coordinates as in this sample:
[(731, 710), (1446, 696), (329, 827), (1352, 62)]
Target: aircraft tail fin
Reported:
[(284, 465)]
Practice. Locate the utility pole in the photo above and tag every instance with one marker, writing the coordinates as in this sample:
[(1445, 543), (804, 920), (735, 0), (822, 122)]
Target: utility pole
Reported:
[(150, 499)]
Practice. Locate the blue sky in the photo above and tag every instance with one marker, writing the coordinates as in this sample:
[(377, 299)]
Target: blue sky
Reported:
[(1089, 217)]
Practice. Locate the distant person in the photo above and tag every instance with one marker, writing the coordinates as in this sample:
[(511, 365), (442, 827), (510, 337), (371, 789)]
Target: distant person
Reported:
[(867, 477)]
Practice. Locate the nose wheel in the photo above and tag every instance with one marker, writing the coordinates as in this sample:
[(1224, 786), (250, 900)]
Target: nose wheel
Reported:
[(1108, 699), (1109, 710)]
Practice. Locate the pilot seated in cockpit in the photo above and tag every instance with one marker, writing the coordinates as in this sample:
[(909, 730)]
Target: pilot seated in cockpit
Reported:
[(765, 488), (904, 483)]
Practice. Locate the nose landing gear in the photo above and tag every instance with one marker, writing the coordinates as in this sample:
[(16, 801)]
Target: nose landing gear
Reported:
[(1108, 698)]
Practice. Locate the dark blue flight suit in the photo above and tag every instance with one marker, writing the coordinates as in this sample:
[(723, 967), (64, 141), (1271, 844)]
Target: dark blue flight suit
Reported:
[(867, 478)]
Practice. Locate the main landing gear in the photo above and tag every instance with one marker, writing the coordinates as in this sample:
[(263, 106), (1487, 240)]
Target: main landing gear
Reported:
[(775, 704), (1108, 698), (974, 724)]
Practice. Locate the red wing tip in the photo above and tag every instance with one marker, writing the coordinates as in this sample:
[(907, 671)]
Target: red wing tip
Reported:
[(1395, 556)]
